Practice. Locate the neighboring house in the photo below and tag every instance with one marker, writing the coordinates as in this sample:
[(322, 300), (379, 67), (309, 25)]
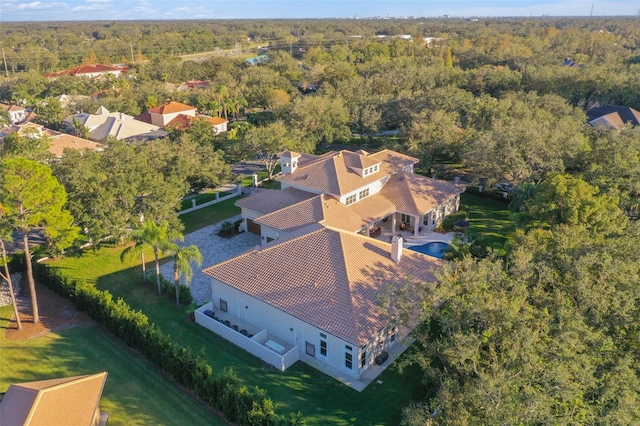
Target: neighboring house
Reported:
[(178, 115), (69, 101), (94, 70), (119, 125), (310, 290), (64, 401), (61, 141), (15, 113), (58, 141), (613, 117), (183, 122), (27, 129), (162, 115)]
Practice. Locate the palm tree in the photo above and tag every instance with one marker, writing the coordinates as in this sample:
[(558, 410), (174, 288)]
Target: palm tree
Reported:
[(183, 257), (156, 237)]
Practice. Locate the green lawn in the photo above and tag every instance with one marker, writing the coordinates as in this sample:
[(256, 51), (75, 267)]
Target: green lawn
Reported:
[(320, 398), (209, 215), (134, 394), (488, 218)]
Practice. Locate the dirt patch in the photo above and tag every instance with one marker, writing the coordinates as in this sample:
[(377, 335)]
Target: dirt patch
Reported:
[(56, 313)]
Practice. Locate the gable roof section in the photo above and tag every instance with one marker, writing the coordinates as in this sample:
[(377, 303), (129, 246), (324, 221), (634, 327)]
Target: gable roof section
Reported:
[(333, 173), (116, 124), (335, 281), (271, 200), (171, 107), (613, 116), (416, 195), (64, 401), (322, 209)]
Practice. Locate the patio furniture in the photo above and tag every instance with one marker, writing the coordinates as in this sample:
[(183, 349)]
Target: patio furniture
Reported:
[(244, 332), (234, 327)]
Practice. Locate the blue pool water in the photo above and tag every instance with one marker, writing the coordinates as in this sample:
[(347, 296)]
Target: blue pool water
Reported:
[(431, 249)]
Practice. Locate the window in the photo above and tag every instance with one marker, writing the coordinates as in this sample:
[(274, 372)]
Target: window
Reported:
[(350, 199), (375, 168), (363, 357), (311, 349), (223, 305), (366, 172), (363, 194), (348, 357), (323, 345), (405, 218), (393, 334)]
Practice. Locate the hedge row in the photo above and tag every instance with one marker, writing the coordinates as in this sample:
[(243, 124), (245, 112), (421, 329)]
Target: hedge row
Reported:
[(489, 193), (240, 404)]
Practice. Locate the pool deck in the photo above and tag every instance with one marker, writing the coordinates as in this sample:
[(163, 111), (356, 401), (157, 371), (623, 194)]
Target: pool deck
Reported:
[(425, 236)]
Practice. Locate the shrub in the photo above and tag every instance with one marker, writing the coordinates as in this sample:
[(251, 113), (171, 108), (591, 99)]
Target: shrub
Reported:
[(449, 222)]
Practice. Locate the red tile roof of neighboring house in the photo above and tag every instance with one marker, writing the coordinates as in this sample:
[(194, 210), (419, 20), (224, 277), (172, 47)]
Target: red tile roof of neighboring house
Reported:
[(86, 69), (64, 401), (171, 107), (332, 279), (145, 117), (183, 121)]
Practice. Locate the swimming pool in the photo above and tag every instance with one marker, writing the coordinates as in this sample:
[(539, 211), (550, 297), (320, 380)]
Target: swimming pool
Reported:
[(431, 249)]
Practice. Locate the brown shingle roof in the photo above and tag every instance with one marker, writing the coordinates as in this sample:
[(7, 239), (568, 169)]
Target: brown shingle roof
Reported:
[(416, 195), (269, 201), (334, 284), (171, 107), (64, 401)]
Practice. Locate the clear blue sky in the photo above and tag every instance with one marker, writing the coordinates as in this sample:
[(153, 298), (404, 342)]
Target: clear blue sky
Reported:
[(65, 10)]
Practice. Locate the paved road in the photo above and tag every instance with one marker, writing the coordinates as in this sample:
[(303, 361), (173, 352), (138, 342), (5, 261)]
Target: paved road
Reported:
[(35, 239), (249, 168)]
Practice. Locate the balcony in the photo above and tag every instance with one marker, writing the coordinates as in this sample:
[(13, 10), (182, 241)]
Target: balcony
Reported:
[(255, 340)]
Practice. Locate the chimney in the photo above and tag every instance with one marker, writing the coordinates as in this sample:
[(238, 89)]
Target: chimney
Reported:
[(396, 248)]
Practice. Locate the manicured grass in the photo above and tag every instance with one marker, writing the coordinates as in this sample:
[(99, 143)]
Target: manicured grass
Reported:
[(209, 215), (135, 393), (320, 398), (489, 219)]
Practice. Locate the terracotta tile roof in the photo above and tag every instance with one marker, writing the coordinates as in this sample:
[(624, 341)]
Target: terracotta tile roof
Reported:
[(333, 173), (334, 285), (416, 195), (145, 117), (60, 141), (171, 107), (269, 201), (373, 209), (322, 209), (65, 401), (183, 121), (86, 69)]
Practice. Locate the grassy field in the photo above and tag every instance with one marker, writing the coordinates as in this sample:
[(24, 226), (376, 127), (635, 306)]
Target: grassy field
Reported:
[(320, 398), (134, 394), (488, 218)]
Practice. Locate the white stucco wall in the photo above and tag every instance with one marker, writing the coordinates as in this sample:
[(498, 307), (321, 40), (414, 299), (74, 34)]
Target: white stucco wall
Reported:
[(293, 330), (374, 188)]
